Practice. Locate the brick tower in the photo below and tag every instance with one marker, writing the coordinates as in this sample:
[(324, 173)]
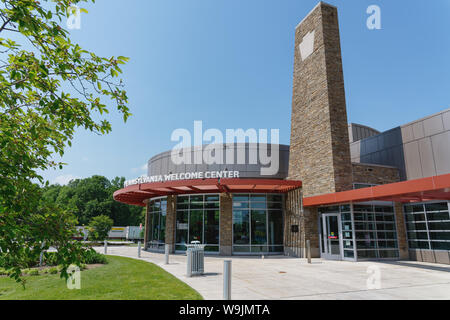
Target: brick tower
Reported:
[(319, 148), (319, 151)]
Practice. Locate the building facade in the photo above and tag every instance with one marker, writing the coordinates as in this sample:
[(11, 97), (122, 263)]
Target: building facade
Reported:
[(355, 193)]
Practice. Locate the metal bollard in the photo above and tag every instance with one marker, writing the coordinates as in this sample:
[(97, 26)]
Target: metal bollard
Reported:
[(227, 280), (106, 247), (166, 251), (139, 249), (189, 263), (308, 250)]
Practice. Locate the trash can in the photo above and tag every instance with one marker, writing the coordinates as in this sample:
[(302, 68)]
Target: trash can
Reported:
[(195, 259)]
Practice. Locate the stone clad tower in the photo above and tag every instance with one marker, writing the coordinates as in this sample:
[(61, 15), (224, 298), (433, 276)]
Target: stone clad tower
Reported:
[(319, 146)]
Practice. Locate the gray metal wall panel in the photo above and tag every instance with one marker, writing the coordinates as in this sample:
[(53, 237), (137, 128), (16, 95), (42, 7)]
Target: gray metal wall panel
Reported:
[(441, 152), (418, 131), (426, 158), (412, 156), (162, 164), (407, 134), (419, 149), (433, 125), (446, 120)]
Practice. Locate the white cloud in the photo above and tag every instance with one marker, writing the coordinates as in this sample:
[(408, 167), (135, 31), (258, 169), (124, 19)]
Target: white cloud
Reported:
[(84, 159), (64, 179), (140, 169)]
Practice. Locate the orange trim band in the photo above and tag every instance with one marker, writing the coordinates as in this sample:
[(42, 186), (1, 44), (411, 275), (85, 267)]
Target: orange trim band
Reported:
[(425, 189)]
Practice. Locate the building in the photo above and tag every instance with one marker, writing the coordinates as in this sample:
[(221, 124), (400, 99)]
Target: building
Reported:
[(353, 192)]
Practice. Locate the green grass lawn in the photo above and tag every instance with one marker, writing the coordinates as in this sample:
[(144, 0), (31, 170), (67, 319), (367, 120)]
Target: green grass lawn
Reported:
[(121, 278)]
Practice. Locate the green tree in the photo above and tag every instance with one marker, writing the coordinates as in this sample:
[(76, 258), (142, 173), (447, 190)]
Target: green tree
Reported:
[(99, 227), (91, 197), (49, 87)]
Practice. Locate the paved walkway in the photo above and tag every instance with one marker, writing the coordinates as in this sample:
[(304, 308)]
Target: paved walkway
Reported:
[(280, 277)]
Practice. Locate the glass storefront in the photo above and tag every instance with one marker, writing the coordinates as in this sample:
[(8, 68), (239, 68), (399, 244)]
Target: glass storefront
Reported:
[(157, 210), (428, 225), (198, 220), (375, 231), (367, 231), (257, 223)]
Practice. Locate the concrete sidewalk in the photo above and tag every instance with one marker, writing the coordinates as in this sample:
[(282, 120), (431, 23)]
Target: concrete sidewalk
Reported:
[(280, 277)]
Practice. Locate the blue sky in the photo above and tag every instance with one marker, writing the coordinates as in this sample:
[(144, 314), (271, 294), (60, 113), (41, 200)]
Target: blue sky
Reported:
[(229, 63)]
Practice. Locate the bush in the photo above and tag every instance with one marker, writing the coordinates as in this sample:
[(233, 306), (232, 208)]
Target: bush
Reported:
[(25, 271), (88, 256), (91, 256), (33, 272), (99, 227), (53, 270)]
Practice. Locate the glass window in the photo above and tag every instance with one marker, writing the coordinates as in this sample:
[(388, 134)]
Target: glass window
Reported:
[(257, 223), (240, 205), (429, 207), (375, 230), (196, 226), (212, 226), (430, 227), (212, 198), (182, 227), (241, 227), (240, 197), (157, 210), (444, 226), (439, 235), (258, 205), (198, 220), (258, 227), (439, 245), (274, 198), (437, 216), (416, 226), (257, 198), (275, 205), (346, 216), (415, 217), (349, 254), (275, 227), (418, 245)]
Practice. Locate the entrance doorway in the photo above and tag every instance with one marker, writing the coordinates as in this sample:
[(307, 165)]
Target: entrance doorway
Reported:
[(331, 235)]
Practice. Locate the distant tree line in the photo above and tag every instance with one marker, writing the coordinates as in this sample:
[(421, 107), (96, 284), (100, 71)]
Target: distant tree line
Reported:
[(93, 197)]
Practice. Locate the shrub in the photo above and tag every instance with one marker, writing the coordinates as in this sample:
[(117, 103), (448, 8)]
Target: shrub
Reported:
[(53, 270), (45, 270), (33, 272), (91, 256), (99, 227)]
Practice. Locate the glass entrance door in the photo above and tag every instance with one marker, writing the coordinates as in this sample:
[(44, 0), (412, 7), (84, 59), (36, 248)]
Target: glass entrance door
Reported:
[(331, 237)]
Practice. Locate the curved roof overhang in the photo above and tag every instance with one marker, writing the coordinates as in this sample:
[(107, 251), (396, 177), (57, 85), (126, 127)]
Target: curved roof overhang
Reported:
[(136, 194), (419, 190)]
